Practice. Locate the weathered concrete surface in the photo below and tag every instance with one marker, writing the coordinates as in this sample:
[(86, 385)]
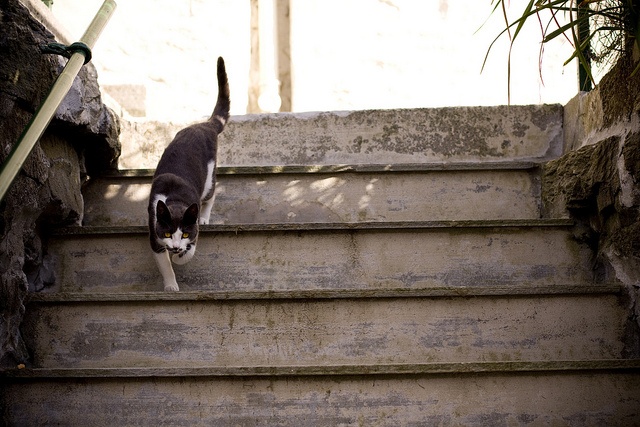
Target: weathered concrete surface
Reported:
[(370, 331), (427, 195), (573, 398), (340, 259), (81, 139), (285, 332), (377, 137), (583, 118)]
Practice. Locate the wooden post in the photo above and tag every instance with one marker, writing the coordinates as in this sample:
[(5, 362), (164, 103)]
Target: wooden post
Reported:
[(254, 62), (270, 64), (283, 29)]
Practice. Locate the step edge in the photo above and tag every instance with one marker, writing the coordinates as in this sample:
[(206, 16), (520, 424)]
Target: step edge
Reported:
[(461, 109), (324, 294), (456, 368), (328, 226), (342, 168)]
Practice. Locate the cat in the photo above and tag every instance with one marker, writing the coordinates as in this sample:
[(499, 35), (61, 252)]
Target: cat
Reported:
[(182, 190)]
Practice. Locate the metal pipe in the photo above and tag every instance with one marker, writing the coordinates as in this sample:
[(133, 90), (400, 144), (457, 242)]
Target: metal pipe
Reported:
[(21, 150)]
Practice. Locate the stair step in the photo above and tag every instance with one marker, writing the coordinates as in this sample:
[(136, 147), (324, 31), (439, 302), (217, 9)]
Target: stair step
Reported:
[(333, 193), (532, 132), (341, 331), (424, 135), (362, 268), (330, 256), (548, 393), (327, 226), (431, 292), (458, 368)]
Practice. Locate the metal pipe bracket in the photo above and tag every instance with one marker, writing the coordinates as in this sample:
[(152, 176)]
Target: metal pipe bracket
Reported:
[(67, 51)]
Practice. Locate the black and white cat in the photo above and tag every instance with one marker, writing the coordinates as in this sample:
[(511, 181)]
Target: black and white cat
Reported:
[(182, 191)]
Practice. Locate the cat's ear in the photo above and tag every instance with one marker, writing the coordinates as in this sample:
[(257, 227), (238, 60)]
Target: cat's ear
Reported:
[(190, 216), (162, 212)]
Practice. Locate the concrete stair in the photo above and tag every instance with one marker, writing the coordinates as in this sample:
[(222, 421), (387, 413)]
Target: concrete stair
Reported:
[(367, 268), (342, 193)]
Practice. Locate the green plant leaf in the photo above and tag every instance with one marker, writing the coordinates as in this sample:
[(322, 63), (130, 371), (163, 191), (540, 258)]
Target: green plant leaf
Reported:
[(604, 17), (523, 18), (559, 31)]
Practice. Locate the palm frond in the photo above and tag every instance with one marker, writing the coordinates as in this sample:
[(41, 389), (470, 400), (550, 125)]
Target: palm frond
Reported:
[(596, 29)]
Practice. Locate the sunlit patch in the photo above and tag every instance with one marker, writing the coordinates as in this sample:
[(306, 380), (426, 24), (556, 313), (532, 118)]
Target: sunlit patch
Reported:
[(293, 194), (326, 184), (134, 193), (137, 193), (113, 191), (370, 186), (364, 202), (337, 201)]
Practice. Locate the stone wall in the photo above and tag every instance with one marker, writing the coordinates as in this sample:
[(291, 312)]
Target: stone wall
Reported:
[(597, 181), (81, 140)]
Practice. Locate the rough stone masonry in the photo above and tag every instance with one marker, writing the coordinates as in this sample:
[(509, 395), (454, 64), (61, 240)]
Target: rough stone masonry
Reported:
[(81, 141), (597, 181)]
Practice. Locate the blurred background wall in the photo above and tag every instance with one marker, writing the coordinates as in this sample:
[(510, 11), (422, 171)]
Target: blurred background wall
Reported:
[(157, 57)]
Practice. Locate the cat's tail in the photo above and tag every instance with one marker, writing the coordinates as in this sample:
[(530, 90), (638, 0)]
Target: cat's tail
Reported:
[(221, 111)]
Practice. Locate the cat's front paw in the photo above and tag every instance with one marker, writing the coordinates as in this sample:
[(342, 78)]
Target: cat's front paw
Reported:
[(204, 221), (171, 287)]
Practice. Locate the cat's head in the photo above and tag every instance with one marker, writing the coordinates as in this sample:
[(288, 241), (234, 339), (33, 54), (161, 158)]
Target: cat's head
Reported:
[(176, 226)]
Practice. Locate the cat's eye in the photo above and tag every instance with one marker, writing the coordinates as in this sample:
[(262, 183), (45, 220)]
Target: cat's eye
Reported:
[(185, 235), (167, 235)]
